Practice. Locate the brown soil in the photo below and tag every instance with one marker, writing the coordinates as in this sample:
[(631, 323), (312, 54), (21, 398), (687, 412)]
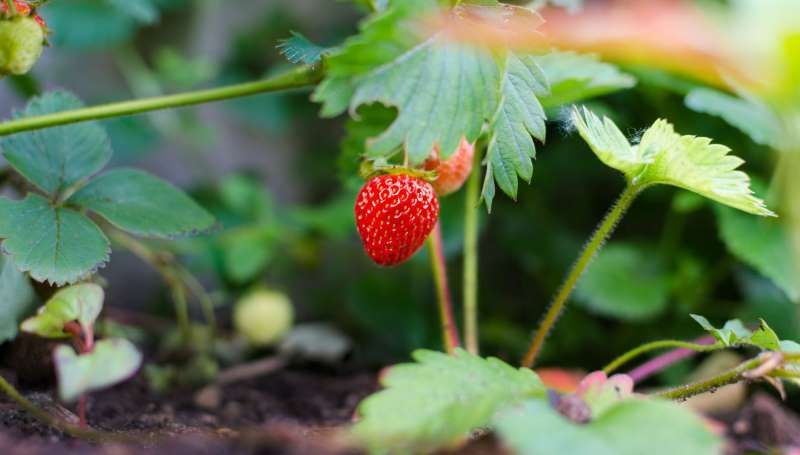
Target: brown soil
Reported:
[(292, 411)]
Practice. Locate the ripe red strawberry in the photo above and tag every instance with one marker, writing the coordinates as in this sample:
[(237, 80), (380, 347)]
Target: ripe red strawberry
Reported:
[(395, 213), (454, 171)]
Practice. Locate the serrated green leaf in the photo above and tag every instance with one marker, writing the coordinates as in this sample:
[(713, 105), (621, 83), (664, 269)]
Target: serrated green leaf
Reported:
[(731, 334), (665, 157), (440, 92), (763, 244), (299, 49), (55, 159), (54, 244), (752, 118), (438, 400), (519, 116), (80, 302), (112, 361), (734, 334), (625, 282), (16, 298), (575, 77), (631, 427), (142, 204)]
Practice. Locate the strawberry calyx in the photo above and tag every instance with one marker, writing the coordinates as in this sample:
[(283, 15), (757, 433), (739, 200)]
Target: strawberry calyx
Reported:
[(370, 169), (20, 8)]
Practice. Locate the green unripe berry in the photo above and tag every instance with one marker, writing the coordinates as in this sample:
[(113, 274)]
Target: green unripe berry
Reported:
[(21, 44), (263, 317)]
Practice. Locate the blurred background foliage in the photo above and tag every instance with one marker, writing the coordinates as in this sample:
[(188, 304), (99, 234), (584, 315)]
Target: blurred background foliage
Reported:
[(282, 184)]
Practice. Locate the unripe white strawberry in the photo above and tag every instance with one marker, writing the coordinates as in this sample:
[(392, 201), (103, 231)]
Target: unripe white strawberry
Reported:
[(263, 317), (21, 44)]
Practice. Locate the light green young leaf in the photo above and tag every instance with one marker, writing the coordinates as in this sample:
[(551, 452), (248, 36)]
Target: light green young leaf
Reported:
[(54, 244), (16, 298), (55, 159), (142, 204), (112, 361), (734, 334), (752, 118), (762, 244), (630, 427), (665, 157), (625, 282), (439, 400), (80, 302), (575, 77)]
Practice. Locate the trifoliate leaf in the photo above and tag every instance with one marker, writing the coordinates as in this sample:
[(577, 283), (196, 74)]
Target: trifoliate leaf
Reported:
[(439, 400), (54, 244), (299, 49), (55, 159), (80, 302), (625, 282), (762, 244), (112, 361), (630, 427), (142, 204), (734, 334), (752, 118), (16, 298), (443, 91), (665, 157), (575, 77), (440, 92)]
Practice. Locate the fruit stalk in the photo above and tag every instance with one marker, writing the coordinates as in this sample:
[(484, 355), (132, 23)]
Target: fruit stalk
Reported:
[(443, 298), (470, 281), (590, 251), (294, 78)]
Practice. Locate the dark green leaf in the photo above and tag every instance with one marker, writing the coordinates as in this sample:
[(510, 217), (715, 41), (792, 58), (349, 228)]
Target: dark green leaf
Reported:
[(56, 159), (109, 25), (144, 11), (754, 119), (762, 244), (142, 204), (16, 298), (575, 77), (54, 244)]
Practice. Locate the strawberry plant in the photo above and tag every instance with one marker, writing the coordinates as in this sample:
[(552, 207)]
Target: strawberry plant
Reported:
[(446, 106)]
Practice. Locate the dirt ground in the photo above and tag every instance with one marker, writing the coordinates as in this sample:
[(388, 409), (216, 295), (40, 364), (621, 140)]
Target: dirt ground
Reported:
[(291, 411)]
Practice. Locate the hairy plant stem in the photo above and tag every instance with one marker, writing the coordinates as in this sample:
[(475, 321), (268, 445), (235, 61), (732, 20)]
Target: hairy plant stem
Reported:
[(443, 298), (656, 345), (294, 78), (470, 280), (84, 341), (731, 376), (663, 361), (595, 244)]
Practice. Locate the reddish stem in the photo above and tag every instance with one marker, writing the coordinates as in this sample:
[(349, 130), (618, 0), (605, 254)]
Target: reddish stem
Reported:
[(449, 327), (660, 363), (84, 342)]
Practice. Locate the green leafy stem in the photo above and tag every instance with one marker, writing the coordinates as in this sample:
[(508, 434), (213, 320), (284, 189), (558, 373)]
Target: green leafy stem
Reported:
[(658, 345), (295, 78)]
